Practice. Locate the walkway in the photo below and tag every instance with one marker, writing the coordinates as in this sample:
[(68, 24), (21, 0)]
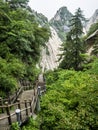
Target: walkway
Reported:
[(24, 106), (26, 103)]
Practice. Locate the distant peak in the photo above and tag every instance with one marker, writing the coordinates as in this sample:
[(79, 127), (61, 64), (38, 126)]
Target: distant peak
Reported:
[(61, 21), (62, 12), (63, 8)]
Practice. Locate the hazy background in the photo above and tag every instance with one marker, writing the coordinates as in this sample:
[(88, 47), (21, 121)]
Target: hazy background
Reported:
[(49, 7)]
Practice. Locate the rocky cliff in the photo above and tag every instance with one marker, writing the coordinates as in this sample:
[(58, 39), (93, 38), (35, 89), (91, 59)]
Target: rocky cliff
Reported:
[(49, 54), (59, 26), (93, 19), (60, 22)]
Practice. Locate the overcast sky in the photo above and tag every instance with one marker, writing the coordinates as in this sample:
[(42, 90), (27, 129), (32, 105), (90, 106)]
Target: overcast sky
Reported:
[(49, 7)]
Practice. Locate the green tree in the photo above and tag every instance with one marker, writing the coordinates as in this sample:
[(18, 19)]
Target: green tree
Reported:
[(14, 4), (73, 47), (21, 39), (70, 102), (20, 34)]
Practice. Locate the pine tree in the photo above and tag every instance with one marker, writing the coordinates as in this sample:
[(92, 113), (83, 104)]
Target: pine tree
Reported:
[(73, 47)]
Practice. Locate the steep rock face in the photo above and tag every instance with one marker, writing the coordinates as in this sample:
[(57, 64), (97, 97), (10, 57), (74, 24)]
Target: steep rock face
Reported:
[(49, 59), (91, 42), (92, 20), (40, 18), (60, 22)]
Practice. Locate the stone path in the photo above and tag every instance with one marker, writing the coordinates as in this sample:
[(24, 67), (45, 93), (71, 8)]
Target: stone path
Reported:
[(27, 95)]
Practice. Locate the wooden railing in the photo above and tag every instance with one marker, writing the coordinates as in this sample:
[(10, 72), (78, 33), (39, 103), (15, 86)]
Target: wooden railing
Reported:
[(9, 105), (26, 108), (11, 98)]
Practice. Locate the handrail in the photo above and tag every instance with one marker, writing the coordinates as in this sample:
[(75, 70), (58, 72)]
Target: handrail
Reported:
[(12, 98), (26, 108), (32, 102)]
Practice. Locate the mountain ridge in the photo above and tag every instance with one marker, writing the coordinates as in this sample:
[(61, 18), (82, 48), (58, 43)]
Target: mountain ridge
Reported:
[(59, 26), (60, 21)]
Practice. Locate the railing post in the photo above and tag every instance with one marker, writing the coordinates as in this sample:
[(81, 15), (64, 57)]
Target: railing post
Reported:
[(34, 91), (18, 116), (30, 105), (16, 93), (19, 107), (8, 113), (39, 91), (30, 101), (1, 100), (9, 99), (26, 107), (38, 99), (38, 105)]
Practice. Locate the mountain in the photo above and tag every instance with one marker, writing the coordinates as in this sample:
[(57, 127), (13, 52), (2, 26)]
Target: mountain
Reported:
[(59, 26), (60, 22), (93, 19)]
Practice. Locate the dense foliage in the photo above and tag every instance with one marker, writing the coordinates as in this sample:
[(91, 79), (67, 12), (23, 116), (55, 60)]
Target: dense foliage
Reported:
[(71, 101), (21, 39), (29, 125)]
